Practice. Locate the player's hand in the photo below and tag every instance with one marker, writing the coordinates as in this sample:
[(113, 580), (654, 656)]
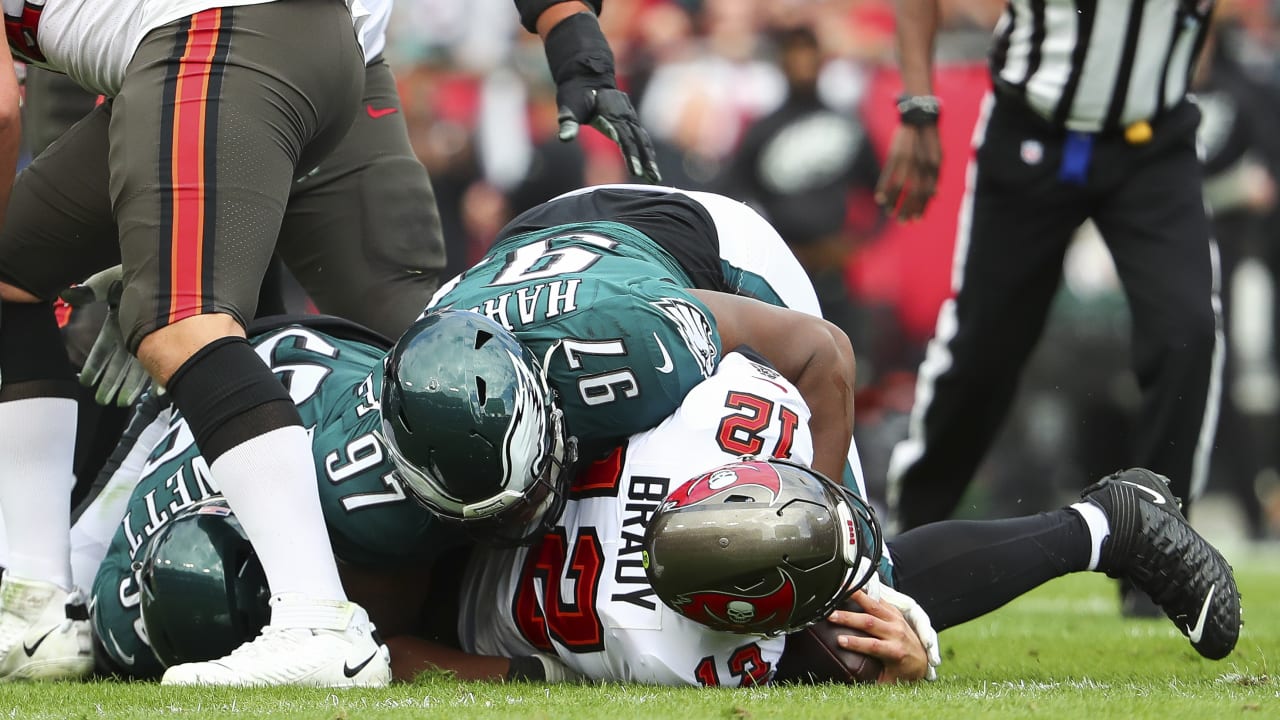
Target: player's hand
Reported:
[(910, 175), (892, 639), (608, 110), (117, 375), (919, 621), (581, 64)]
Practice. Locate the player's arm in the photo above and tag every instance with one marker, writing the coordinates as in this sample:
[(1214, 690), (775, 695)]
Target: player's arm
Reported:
[(910, 174), (411, 656), (581, 63), (810, 352), (10, 127)]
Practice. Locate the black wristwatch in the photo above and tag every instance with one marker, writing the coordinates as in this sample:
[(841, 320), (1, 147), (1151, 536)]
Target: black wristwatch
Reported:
[(919, 110)]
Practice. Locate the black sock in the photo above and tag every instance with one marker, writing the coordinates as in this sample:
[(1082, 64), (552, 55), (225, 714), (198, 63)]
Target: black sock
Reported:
[(960, 569), (33, 359), (228, 395)]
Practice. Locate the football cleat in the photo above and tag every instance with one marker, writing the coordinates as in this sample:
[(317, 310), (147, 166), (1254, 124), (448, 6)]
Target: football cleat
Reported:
[(1152, 545), (1136, 604), (44, 632), (344, 651)]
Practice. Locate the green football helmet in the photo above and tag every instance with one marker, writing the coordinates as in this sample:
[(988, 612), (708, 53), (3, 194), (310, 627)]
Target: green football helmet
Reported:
[(204, 592), (474, 431), (760, 547)]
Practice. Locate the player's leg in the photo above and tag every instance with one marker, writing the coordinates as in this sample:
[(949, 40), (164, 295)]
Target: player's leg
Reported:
[(362, 233), (230, 102), (1127, 526), (51, 103), (1154, 222), (58, 230), (1015, 223)]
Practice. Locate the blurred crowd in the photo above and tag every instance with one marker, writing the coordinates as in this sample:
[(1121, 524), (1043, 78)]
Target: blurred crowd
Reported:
[(788, 105)]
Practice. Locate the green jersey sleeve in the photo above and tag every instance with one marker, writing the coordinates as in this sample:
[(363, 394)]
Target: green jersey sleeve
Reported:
[(627, 363)]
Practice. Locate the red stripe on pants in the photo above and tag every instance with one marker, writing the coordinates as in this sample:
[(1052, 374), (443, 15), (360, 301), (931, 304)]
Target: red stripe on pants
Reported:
[(188, 172)]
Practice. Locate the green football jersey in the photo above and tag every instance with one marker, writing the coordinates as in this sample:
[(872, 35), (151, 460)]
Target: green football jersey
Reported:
[(608, 312), (335, 383)]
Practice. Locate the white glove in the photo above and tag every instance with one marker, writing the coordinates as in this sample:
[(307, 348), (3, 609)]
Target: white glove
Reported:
[(557, 672), (915, 616), (117, 375)]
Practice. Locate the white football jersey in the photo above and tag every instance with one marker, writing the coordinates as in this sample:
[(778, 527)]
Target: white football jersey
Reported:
[(749, 244), (92, 41), (582, 593)]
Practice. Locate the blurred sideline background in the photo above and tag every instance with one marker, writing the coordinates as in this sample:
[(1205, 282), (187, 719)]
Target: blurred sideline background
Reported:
[(788, 105)]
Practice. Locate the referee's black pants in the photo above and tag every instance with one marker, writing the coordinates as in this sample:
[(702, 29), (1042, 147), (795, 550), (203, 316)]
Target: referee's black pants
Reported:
[(1016, 222)]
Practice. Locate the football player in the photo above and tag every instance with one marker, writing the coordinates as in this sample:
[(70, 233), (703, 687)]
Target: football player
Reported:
[(168, 558), (333, 371), (615, 301), (217, 111), (651, 578)]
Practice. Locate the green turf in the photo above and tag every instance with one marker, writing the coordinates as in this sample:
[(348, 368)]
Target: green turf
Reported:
[(1060, 652)]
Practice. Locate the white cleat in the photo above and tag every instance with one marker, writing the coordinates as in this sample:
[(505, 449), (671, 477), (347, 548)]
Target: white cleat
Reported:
[(311, 643), (44, 632)]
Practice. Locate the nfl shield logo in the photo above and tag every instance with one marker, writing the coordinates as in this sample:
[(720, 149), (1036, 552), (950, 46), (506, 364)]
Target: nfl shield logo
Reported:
[(1032, 152)]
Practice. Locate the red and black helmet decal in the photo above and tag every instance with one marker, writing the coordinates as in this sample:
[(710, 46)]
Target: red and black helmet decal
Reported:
[(727, 480), (741, 611)]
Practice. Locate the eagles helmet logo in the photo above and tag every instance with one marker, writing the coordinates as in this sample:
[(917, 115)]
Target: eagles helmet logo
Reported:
[(524, 447)]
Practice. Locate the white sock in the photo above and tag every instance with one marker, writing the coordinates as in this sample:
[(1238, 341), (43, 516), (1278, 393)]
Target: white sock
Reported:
[(4, 543), (1099, 529), (270, 483), (37, 449)]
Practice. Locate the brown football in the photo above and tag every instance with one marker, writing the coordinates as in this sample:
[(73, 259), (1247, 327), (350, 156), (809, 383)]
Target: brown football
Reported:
[(813, 656)]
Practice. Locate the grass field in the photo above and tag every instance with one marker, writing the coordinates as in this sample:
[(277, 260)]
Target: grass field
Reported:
[(1060, 652)]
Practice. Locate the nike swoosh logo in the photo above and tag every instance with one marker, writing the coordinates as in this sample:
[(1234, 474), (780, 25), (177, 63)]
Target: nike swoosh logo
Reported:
[(1196, 631), (376, 113), (124, 657), (1156, 497), (667, 365), (353, 671), (31, 649)]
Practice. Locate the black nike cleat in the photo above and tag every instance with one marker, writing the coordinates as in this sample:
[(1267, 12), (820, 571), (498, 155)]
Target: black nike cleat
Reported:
[(1152, 545), (1136, 604)]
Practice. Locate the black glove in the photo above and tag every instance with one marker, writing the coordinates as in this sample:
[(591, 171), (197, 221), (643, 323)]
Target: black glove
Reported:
[(586, 91)]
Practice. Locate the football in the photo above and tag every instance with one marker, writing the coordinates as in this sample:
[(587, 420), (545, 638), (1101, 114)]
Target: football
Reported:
[(813, 656)]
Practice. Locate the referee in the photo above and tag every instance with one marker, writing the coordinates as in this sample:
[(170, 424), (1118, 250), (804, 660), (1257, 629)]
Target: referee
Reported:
[(1089, 119)]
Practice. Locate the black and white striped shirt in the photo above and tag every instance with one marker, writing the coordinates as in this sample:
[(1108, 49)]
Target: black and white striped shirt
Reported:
[(1093, 65)]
